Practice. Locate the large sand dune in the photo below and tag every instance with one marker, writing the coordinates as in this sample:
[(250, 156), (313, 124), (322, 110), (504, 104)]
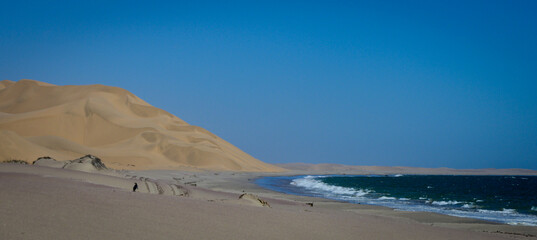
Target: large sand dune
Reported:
[(65, 122)]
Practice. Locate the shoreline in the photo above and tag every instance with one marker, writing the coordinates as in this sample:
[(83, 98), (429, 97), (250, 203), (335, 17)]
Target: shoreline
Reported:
[(210, 200), (312, 185), (247, 182)]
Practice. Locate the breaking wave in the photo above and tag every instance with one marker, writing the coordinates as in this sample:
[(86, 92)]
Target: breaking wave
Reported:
[(313, 184), (318, 186)]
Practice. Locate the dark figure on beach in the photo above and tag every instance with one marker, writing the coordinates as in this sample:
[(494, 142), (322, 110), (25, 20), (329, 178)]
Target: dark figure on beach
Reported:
[(135, 187)]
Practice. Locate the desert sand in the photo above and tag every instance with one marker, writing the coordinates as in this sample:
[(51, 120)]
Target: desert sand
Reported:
[(307, 168), (64, 122), (76, 152), (40, 202)]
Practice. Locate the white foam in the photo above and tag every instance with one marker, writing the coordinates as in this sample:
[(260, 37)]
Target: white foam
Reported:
[(386, 198), (404, 199), (468, 205), (508, 216), (311, 183), (504, 211), (398, 175), (518, 224), (443, 203), (314, 184)]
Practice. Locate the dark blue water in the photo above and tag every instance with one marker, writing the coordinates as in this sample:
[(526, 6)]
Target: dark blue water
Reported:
[(505, 199)]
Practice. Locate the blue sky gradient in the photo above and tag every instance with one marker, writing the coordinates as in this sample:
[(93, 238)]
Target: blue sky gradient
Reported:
[(402, 83)]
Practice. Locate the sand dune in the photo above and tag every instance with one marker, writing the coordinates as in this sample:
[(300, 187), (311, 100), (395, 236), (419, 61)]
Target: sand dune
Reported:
[(66, 122), (326, 168)]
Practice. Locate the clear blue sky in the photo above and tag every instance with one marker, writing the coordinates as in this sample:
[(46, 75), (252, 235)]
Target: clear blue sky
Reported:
[(404, 83)]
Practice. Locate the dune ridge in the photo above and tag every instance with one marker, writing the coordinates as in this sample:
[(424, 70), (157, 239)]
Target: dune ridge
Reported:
[(65, 122), (329, 168)]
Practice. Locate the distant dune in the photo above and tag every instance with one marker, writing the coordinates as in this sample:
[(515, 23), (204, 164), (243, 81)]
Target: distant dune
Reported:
[(325, 168), (66, 122)]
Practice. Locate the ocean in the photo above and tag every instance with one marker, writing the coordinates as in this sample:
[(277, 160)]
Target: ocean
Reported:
[(505, 199)]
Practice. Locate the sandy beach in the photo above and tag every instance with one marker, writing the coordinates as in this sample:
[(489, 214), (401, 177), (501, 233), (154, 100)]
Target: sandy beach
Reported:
[(253, 120), (39, 202), (207, 191)]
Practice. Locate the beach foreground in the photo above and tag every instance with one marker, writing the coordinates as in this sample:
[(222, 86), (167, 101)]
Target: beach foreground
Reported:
[(47, 203)]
